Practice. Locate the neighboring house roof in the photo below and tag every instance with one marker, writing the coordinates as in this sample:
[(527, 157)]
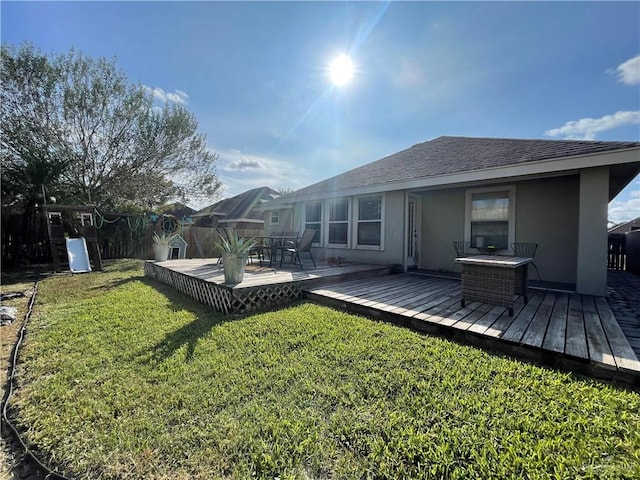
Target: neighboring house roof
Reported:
[(240, 208), (443, 160), (180, 211), (626, 226)]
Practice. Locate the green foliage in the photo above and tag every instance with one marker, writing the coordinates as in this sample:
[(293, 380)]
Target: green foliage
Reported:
[(76, 128), (164, 238), (230, 242), (122, 377)]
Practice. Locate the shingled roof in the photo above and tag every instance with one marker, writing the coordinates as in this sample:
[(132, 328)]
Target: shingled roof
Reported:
[(240, 207), (450, 155)]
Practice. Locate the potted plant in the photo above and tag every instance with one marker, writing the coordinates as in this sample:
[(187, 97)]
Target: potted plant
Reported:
[(161, 245), (235, 251)]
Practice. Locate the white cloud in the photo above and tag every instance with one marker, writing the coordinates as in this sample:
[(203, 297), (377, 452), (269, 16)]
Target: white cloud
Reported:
[(177, 96), (626, 206), (628, 72), (623, 211), (587, 128), (245, 164), (239, 172)]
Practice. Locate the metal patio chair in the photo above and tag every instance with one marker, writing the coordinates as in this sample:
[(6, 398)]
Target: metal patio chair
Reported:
[(462, 250), (295, 248), (526, 250), (272, 244)]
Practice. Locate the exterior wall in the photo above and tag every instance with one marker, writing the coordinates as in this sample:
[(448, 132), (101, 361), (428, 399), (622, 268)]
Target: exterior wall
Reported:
[(442, 223), (592, 232), (393, 234), (546, 214), (286, 221)]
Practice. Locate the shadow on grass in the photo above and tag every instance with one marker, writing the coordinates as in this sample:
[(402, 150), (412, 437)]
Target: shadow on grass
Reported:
[(189, 334)]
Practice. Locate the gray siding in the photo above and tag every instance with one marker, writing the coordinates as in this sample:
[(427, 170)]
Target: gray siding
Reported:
[(546, 214)]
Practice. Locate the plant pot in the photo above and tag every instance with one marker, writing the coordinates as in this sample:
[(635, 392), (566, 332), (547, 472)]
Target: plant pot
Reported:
[(233, 265), (160, 252)]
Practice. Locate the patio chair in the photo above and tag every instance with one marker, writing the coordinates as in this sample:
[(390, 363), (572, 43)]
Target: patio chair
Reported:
[(299, 246), (462, 250), (272, 245), (526, 250), (257, 251)]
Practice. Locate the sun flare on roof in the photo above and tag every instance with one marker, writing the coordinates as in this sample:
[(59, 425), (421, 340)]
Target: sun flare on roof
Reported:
[(341, 70)]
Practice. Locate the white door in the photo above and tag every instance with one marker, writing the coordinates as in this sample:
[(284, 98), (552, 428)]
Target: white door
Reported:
[(413, 231)]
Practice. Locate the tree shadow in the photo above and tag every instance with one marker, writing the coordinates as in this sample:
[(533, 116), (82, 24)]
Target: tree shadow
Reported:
[(190, 334)]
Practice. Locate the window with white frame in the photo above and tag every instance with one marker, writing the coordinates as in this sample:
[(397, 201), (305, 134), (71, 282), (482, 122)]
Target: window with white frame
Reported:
[(490, 217), (313, 220), (369, 221), (86, 219), (274, 218), (338, 222)]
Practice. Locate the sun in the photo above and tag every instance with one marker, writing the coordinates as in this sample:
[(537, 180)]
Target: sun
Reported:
[(341, 70)]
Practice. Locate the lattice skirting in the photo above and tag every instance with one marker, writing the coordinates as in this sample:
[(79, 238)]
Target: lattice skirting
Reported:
[(222, 298)]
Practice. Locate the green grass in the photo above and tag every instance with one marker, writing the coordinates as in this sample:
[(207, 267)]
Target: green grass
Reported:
[(121, 378)]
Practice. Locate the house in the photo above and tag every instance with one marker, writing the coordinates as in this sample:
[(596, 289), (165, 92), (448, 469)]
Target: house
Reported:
[(408, 208), (239, 212), (624, 227)]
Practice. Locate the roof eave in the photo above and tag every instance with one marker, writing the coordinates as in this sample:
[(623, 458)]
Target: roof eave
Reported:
[(547, 167)]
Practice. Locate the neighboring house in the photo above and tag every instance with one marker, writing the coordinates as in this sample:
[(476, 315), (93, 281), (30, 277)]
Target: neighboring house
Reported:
[(625, 227), (409, 208), (239, 212)]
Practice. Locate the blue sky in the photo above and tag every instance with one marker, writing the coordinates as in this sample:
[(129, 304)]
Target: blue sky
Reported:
[(256, 74)]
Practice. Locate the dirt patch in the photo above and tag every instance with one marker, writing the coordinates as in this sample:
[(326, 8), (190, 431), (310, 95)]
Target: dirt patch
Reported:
[(12, 283)]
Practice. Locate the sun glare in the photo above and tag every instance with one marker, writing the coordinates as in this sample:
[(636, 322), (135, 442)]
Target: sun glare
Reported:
[(341, 70)]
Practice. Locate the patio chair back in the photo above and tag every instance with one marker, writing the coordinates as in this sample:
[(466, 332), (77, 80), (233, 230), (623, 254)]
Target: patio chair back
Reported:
[(304, 245), (526, 250), (296, 248), (462, 249)]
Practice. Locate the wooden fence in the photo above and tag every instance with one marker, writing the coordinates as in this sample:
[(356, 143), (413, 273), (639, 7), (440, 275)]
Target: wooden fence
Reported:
[(24, 241), (617, 253)]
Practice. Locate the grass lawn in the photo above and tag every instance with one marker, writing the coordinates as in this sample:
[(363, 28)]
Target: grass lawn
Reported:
[(121, 378)]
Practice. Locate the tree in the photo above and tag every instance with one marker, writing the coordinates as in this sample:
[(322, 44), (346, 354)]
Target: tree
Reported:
[(90, 136)]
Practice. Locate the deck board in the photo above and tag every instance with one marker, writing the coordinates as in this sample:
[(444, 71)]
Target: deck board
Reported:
[(520, 323), (576, 339), (622, 352), (599, 350), (554, 339)]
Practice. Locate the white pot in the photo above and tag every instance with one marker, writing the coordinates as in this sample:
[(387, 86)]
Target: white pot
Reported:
[(233, 265), (160, 252)]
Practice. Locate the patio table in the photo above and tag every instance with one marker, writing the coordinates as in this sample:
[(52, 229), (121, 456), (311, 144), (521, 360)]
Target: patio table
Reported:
[(273, 243), (494, 279)]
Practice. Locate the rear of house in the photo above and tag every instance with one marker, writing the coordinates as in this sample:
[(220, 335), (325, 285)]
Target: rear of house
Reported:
[(409, 208)]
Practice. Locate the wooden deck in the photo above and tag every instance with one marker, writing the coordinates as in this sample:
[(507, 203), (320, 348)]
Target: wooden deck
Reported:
[(568, 331), (262, 287), (573, 332)]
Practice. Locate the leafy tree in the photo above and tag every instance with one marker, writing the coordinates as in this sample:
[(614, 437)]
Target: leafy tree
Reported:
[(75, 128)]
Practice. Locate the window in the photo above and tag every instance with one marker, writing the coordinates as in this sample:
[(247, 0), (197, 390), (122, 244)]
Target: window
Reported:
[(313, 220), (86, 219), (490, 217), (275, 217), (339, 222), (369, 222), (55, 218)]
